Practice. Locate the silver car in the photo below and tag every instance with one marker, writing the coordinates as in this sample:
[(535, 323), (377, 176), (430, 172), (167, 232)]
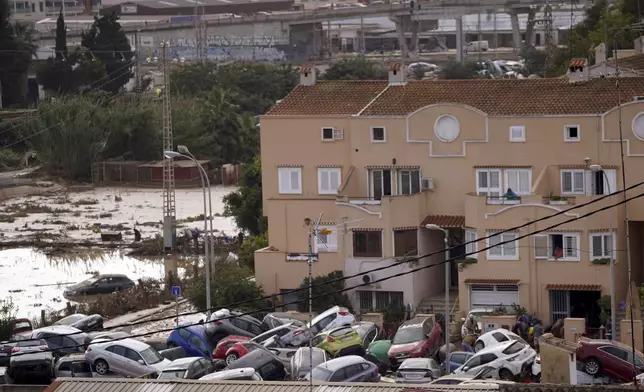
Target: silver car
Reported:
[(73, 366), (127, 357), (243, 374), (418, 371), (301, 361), (290, 334)]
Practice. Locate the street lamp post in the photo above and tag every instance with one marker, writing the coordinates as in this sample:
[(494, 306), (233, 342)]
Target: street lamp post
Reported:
[(204, 180), (613, 315), (184, 150), (446, 315)]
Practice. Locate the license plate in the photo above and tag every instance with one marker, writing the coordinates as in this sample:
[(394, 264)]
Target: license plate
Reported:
[(413, 376), (346, 339)]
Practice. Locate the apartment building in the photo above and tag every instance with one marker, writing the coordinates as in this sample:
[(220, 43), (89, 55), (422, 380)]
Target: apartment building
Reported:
[(382, 160)]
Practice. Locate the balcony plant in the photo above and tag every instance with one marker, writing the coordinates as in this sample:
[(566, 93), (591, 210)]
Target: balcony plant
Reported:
[(462, 263), (602, 261), (557, 200)]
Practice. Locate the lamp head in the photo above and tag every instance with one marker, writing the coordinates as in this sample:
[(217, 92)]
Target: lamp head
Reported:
[(171, 154), (432, 226), (183, 149), (595, 168)]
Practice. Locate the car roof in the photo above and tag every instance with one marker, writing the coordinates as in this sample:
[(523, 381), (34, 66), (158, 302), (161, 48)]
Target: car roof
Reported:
[(196, 329), (110, 276), (247, 371), (233, 338), (181, 363), (134, 344), (327, 313), (604, 342), (339, 363), (497, 347), (58, 329)]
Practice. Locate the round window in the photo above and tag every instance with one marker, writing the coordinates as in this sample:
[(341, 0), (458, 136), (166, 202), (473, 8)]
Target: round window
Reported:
[(638, 126), (446, 128)]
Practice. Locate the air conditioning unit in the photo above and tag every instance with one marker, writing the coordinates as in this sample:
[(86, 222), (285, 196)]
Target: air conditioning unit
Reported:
[(427, 183), (367, 279), (338, 133), (638, 98)]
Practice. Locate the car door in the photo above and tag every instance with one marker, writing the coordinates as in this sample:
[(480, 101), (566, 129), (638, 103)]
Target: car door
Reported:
[(614, 364), (340, 375), (136, 363), (196, 370), (98, 287), (116, 359)]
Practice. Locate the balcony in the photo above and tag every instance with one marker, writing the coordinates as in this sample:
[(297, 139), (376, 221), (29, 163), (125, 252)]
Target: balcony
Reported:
[(388, 211)]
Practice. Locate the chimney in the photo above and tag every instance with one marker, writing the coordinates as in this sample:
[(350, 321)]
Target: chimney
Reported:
[(307, 75), (639, 45), (396, 74), (578, 70), (600, 54)]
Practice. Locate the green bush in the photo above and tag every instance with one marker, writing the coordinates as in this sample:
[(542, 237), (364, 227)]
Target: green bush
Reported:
[(328, 295)]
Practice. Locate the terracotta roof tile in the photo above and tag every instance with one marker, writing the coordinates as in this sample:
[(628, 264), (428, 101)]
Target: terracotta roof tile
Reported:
[(496, 97), (492, 281), (574, 287), (327, 98), (634, 62), (395, 66), (444, 221)]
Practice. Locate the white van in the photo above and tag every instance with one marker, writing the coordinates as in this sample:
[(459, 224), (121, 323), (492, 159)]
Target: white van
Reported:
[(477, 46)]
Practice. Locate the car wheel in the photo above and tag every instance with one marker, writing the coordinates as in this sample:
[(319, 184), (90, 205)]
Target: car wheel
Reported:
[(592, 367), (230, 358), (479, 346), (102, 368), (505, 374)]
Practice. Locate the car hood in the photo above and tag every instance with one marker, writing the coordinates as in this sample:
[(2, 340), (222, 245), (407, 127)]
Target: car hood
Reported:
[(77, 286), (160, 366), (403, 348)]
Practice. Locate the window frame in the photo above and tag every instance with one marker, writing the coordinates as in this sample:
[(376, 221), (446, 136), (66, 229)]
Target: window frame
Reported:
[(281, 171), (572, 181), (549, 249), (502, 256), (399, 174), (602, 234), (517, 127), (469, 248), (367, 254), (329, 170), (334, 234), (393, 233), (332, 134), (506, 177), (488, 189), (384, 134), (370, 183), (567, 138)]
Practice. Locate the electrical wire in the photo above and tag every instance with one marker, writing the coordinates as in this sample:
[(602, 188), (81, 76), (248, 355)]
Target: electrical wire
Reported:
[(406, 260), (448, 260)]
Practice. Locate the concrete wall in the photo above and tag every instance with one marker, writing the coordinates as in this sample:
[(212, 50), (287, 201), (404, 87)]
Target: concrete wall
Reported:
[(22, 388)]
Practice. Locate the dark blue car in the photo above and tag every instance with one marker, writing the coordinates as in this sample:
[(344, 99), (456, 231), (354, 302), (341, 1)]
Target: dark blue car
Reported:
[(192, 340)]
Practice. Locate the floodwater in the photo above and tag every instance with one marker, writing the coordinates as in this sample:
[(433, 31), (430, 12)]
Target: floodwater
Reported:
[(35, 280), (74, 215)]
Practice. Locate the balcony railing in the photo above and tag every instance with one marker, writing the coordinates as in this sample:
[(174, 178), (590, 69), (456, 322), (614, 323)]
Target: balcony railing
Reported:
[(507, 200)]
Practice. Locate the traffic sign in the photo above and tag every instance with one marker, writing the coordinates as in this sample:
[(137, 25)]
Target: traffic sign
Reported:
[(176, 291)]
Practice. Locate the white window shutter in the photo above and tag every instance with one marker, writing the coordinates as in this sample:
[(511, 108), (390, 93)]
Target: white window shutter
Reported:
[(483, 179), (334, 180), (566, 181), (589, 184), (570, 245), (597, 246), (495, 179), (295, 180), (540, 246), (332, 239), (511, 181), (611, 186), (524, 187), (578, 182), (324, 181), (284, 180)]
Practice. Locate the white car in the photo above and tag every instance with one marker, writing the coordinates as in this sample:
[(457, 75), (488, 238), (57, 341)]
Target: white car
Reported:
[(418, 371), (498, 336), (190, 319), (243, 374), (330, 319), (507, 360), (290, 334), (128, 357)]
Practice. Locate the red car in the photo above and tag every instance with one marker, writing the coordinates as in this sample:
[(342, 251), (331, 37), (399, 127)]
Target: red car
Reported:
[(610, 358), (240, 349), (416, 338), (226, 343)]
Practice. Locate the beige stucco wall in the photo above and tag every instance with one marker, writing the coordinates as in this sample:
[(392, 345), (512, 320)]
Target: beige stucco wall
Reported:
[(483, 141)]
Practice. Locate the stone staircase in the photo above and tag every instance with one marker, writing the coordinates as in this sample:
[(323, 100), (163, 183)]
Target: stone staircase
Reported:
[(436, 304)]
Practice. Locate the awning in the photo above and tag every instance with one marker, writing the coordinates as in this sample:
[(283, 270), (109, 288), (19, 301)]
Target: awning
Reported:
[(574, 287), (444, 221), (492, 281)]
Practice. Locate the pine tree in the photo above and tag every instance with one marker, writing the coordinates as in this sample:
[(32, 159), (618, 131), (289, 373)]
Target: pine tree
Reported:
[(61, 37)]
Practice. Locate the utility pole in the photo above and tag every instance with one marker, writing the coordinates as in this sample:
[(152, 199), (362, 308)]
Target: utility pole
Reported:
[(169, 208), (479, 37), (313, 235), (137, 65)]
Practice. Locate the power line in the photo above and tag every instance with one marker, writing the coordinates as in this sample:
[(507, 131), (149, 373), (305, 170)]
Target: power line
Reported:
[(496, 234), (449, 260)]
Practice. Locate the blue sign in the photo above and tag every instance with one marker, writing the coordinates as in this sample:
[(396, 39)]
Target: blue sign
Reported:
[(176, 291)]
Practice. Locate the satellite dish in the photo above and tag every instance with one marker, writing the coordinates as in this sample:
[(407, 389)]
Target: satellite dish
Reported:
[(366, 279)]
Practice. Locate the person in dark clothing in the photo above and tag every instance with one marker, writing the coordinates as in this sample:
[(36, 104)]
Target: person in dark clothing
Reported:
[(137, 235), (240, 238)]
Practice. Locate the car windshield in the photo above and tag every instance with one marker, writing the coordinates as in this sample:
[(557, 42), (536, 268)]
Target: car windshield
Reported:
[(409, 335), (321, 374), (175, 373), (70, 319), (151, 356), (31, 343), (22, 324), (92, 280)]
